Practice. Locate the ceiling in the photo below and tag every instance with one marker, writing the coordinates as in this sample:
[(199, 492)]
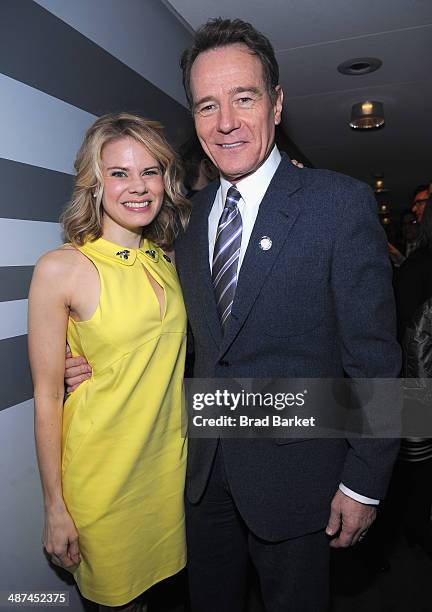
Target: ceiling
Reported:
[(311, 38)]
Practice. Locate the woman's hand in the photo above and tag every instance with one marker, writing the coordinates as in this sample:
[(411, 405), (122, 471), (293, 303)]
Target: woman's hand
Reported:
[(60, 538)]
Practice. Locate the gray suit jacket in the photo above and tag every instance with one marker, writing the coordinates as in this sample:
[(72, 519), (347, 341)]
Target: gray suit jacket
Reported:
[(319, 303)]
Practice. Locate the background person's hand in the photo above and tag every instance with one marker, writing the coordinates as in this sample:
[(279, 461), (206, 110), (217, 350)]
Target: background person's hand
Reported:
[(77, 370), (349, 520)]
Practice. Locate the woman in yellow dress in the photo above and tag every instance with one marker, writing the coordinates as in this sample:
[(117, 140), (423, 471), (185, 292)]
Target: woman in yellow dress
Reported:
[(112, 458)]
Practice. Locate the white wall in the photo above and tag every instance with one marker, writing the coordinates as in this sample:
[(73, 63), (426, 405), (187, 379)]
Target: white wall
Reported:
[(23, 566)]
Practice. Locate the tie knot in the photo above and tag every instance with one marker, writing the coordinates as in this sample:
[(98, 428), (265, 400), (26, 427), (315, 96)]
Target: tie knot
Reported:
[(232, 198)]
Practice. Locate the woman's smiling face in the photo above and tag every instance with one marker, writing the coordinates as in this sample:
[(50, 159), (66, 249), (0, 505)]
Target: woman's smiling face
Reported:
[(133, 184)]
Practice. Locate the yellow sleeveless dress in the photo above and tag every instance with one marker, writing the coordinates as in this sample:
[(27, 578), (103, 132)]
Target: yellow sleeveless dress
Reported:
[(123, 454)]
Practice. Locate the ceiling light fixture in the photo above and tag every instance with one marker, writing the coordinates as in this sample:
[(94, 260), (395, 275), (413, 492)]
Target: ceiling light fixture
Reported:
[(359, 66), (378, 186), (367, 115)]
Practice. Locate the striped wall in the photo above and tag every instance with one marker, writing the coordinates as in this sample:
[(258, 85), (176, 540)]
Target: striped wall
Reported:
[(62, 64), (71, 62)]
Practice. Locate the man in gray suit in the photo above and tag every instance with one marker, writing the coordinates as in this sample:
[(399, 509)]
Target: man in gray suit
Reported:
[(285, 274)]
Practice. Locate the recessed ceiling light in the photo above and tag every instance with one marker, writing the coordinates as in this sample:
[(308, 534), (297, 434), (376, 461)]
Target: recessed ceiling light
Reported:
[(359, 66)]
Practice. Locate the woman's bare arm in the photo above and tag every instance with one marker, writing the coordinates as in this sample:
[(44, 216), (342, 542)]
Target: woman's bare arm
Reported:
[(49, 302)]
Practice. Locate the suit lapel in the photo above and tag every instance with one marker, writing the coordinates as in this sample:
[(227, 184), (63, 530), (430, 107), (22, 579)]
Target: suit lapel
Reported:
[(276, 217), (198, 241)]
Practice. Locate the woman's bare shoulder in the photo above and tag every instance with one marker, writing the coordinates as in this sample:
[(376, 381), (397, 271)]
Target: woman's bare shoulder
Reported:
[(60, 262)]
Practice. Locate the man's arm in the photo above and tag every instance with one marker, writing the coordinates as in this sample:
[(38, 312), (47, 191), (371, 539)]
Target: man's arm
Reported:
[(363, 296)]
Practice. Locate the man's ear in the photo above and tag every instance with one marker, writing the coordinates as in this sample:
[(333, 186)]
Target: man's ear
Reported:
[(277, 109)]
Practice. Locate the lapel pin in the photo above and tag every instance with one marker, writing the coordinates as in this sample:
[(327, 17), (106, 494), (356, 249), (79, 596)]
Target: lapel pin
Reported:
[(167, 258), (151, 252), (265, 243), (123, 254)]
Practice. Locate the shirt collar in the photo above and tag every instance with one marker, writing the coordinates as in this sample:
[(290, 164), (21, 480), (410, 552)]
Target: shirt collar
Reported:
[(121, 254), (253, 187)]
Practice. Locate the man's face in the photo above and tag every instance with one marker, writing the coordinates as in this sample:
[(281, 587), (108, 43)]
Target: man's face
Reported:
[(234, 116), (419, 204)]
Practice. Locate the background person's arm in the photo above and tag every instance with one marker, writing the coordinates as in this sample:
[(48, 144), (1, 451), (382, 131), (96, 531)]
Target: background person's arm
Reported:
[(48, 315)]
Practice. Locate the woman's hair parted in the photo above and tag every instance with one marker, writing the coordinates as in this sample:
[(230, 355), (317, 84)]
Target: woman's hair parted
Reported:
[(82, 218)]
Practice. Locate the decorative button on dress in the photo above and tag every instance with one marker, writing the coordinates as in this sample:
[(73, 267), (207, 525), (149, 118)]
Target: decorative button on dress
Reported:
[(123, 456)]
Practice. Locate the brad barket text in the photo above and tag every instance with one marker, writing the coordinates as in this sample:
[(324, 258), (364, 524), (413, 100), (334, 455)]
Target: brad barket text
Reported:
[(274, 420)]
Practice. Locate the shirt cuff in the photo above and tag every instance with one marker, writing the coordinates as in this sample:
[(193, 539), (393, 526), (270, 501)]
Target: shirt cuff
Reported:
[(360, 498)]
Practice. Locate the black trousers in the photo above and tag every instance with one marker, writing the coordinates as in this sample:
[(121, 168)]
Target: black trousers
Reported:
[(410, 499), (293, 574)]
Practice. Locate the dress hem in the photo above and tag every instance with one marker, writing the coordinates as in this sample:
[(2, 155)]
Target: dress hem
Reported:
[(121, 601)]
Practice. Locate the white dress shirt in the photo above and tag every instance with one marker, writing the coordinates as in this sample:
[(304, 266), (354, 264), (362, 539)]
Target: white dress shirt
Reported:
[(252, 190)]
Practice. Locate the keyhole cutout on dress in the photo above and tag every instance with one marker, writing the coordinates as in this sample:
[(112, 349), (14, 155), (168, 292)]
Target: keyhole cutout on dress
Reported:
[(158, 291)]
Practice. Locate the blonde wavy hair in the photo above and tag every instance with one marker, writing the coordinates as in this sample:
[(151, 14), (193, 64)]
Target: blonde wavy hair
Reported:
[(82, 218)]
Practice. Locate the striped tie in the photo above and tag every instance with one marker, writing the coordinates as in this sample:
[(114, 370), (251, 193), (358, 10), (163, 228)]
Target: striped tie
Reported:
[(226, 255)]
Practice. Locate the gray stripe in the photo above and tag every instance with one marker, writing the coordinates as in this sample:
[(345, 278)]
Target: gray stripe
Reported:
[(226, 313), (226, 244), (225, 267), (231, 216), (49, 136), (133, 31), (23, 242), (33, 193), (15, 372), (228, 286), (45, 53), (15, 282)]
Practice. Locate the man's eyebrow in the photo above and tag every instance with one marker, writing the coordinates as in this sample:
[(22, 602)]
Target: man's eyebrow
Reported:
[(251, 89), (233, 91)]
